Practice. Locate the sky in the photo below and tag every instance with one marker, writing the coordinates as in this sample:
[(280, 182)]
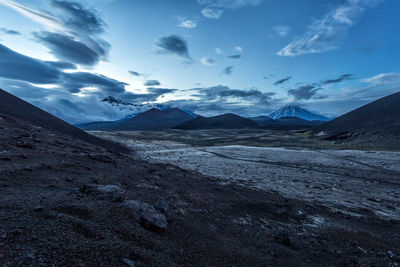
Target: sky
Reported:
[(248, 57)]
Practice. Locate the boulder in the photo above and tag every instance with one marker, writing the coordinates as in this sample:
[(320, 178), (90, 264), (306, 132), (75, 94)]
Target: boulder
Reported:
[(147, 215)]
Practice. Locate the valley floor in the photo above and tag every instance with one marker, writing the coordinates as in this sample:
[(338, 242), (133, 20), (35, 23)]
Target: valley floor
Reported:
[(64, 202), (348, 181)]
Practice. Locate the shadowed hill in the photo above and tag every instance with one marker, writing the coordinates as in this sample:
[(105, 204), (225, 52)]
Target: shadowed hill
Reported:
[(373, 126), (13, 106), (379, 117), (154, 119), (225, 121)]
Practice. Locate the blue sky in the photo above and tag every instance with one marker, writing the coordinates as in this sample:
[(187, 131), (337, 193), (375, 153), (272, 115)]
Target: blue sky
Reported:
[(209, 56)]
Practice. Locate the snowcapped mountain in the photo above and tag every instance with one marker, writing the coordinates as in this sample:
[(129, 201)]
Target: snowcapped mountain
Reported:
[(295, 111), (126, 110)]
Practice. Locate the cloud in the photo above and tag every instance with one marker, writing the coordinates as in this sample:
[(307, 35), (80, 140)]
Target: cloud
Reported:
[(212, 13), (19, 67), (187, 23), (66, 48), (338, 80), (22, 68), (62, 65), (228, 70), (73, 31), (305, 92), (173, 45), (76, 81), (10, 32), (384, 79), (161, 91), (221, 91), (229, 4), (283, 80), (281, 31), (219, 51), (239, 49), (207, 61), (152, 83), (214, 9), (79, 18), (324, 33), (134, 73), (234, 56)]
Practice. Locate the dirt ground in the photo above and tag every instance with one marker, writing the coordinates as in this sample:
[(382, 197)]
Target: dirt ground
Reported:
[(49, 216)]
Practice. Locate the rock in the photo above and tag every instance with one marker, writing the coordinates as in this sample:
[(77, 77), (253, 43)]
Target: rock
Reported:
[(162, 206), (283, 238), (147, 215), (128, 262)]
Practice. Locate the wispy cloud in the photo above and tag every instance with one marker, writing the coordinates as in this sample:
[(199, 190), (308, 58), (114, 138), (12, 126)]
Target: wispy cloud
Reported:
[(134, 73), (207, 61), (305, 92), (282, 80), (339, 79), (212, 13), (228, 70), (10, 32), (187, 23), (152, 83), (384, 79), (281, 31), (214, 9), (324, 33), (219, 51), (71, 22), (239, 49), (234, 56)]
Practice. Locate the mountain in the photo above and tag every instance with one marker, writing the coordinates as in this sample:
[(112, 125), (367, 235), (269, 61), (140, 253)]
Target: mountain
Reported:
[(225, 121), (263, 120), (122, 110), (154, 119), (295, 111), (378, 120), (15, 107), (295, 121)]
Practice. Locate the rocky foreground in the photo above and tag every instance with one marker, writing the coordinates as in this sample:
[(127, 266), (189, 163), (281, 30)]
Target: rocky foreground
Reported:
[(64, 202)]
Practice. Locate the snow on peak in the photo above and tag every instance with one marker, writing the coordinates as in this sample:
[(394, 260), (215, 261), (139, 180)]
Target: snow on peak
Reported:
[(296, 111)]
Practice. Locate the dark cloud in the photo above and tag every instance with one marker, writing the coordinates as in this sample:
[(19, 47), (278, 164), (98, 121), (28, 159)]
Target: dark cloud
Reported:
[(79, 18), (134, 73), (75, 81), (19, 67), (305, 92), (10, 32), (62, 65), (338, 80), (22, 68), (152, 83), (173, 45), (228, 70), (73, 31), (283, 80), (234, 56), (66, 48), (161, 91), (224, 92)]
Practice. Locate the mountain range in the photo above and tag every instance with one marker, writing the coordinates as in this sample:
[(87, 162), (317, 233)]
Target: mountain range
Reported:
[(224, 121)]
